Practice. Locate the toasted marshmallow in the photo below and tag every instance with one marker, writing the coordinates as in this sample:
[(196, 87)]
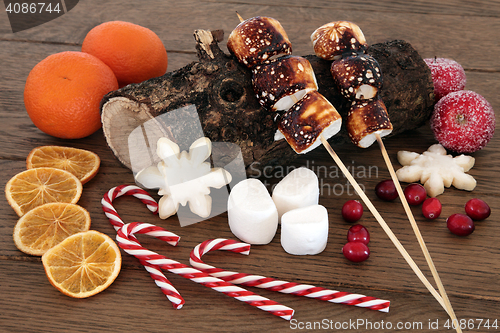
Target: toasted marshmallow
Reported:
[(365, 119), (333, 39), (258, 39), (308, 119), (280, 83)]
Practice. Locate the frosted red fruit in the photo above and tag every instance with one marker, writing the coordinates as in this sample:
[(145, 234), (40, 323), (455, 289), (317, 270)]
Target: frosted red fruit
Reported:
[(463, 121), (447, 76)]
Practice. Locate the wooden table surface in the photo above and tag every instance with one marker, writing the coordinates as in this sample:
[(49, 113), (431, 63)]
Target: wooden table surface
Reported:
[(467, 32)]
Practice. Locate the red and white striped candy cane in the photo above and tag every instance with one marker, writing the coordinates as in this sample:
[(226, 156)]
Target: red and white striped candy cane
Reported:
[(273, 284), (154, 271), (128, 242)]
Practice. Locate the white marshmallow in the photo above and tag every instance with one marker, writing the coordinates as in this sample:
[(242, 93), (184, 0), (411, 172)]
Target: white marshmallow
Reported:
[(305, 230), (300, 188), (252, 214)]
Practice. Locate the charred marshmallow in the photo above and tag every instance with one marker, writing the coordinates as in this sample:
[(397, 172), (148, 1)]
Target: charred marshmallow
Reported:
[(279, 83), (333, 39), (365, 119), (306, 120), (357, 76), (258, 39)]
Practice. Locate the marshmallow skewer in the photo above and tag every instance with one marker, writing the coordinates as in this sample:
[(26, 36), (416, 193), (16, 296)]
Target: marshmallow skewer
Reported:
[(383, 224), (128, 242), (416, 230), (154, 262), (273, 284)]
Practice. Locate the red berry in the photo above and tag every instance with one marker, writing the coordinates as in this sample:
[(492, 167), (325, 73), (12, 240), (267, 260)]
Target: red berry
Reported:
[(431, 208), (352, 210), (477, 209), (460, 224), (415, 194), (386, 190), (447, 76), (356, 251), (463, 121), (358, 233)]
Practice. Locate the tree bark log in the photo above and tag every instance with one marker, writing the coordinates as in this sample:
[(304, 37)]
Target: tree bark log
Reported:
[(222, 91)]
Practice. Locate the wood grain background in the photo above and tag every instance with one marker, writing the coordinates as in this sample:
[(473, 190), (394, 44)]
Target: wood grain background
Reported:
[(467, 32)]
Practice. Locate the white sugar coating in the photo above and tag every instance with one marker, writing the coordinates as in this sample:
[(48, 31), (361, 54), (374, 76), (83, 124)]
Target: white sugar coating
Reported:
[(463, 121), (252, 214), (300, 188), (447, 76), (305, 230)]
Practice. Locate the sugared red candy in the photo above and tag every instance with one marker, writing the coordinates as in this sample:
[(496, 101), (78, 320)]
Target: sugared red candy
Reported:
[(415, 194), (463, 121), (477, 209), (358, 233), (386, 190), (305, 230), (251, 212), (357, 76), (447, 75), (333, 39), (460, 224), (258, 39), (356, 251), (431, 208), (352, 210), (281, 82), (298, 189)]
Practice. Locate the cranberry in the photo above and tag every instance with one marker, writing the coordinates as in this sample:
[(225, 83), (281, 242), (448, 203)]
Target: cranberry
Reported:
[(358, 233), (477, 209), (386, 190), (356, 251), (352, 210), (460, 224), (431, 208), (415, 194)]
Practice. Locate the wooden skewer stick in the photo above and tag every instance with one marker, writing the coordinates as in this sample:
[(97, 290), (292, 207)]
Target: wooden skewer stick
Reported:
[(382, 223), (416, 230)]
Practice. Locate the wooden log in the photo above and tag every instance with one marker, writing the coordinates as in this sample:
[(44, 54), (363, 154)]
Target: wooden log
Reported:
[(221, 89)]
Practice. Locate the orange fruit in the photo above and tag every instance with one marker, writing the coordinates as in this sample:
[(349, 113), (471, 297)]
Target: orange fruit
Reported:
[(63, 92), (82, 163), (133, 52), (83, 264), (35, 187), (47, 225)]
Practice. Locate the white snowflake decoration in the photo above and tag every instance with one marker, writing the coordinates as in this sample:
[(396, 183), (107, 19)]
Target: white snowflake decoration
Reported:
[(436, 170), (183, 177)]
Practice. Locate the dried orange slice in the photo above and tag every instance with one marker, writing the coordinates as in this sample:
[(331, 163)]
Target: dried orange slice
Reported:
[(47, 225), (35, 187), (83, 264), (82, 163)]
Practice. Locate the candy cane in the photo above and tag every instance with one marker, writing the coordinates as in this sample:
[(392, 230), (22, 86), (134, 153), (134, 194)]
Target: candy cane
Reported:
[(273, 284), (154, 271), (128, 242), (154, 262)]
